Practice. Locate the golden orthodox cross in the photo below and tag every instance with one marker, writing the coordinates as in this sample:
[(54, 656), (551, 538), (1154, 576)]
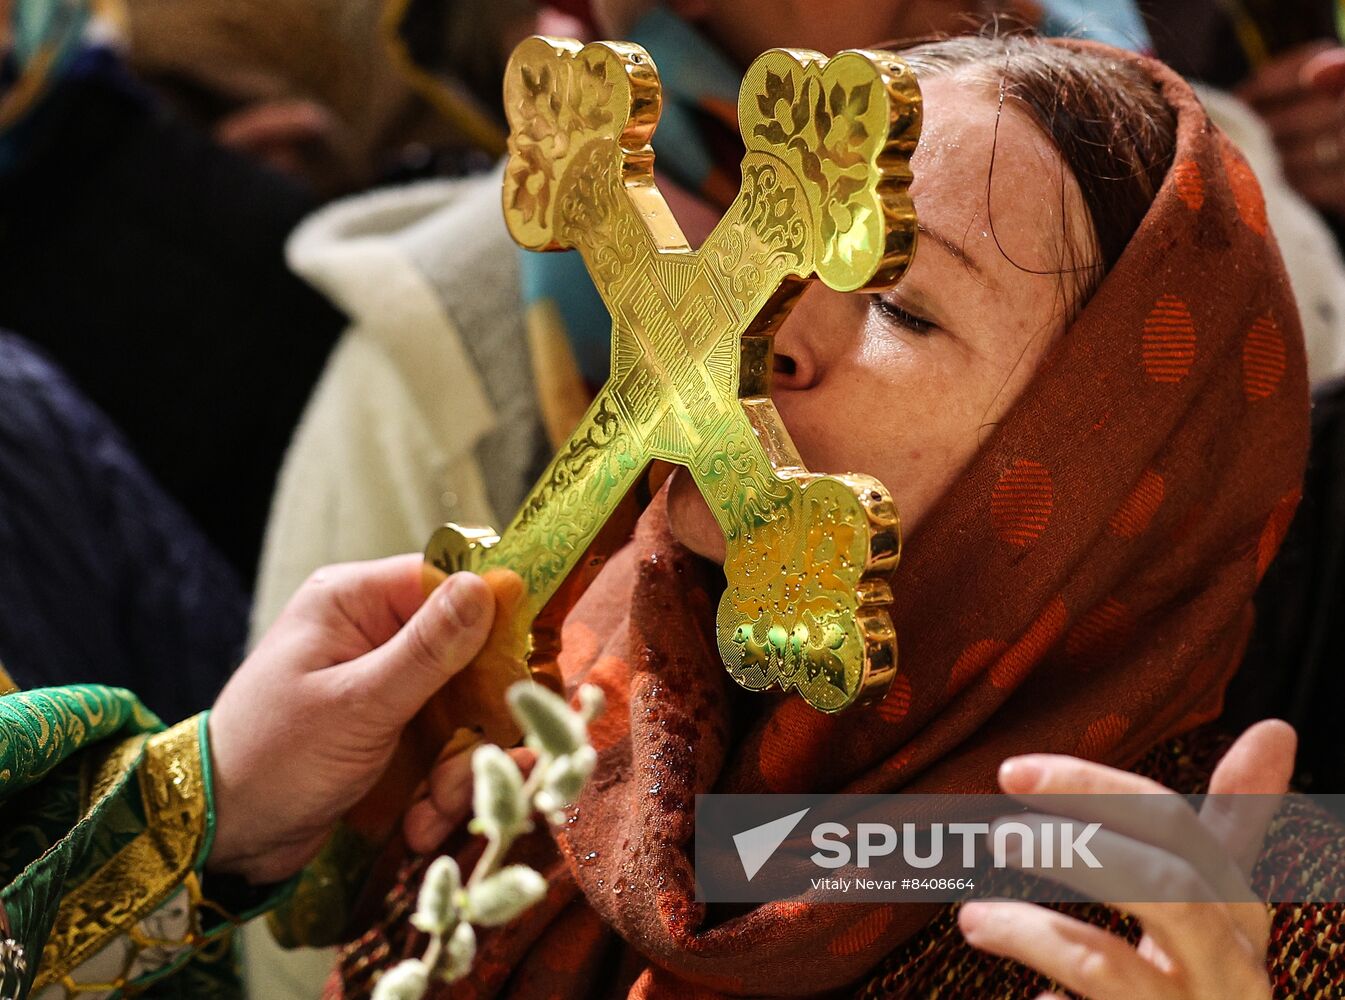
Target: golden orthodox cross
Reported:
[(825, 192)]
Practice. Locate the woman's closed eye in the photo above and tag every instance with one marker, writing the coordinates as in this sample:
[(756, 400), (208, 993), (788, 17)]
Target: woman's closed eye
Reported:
[(891, 312)]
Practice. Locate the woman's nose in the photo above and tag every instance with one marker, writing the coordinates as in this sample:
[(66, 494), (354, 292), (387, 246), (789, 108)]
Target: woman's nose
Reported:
[(800, 341), (795, 364)]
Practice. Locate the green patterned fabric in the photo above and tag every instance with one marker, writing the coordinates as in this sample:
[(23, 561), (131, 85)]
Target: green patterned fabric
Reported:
[(43, 772), (40, 729), (46, 836), (59, 825)]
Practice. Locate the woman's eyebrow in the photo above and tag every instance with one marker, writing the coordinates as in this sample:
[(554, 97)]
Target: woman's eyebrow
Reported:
[(951, 247)]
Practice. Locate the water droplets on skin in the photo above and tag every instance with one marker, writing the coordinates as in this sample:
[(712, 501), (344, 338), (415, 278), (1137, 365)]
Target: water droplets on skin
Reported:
[(589, 858), (655, 788)]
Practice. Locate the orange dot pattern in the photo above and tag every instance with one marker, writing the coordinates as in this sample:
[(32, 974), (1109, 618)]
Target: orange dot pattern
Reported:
[(1101, 633), (1137, 511), (1102, 736), (899, 761), (1277, 526), (973, 662), (1024, 654), (1264, 359), (1022, 502), (1168, 344), (1189, 184), (1247, 196), (862, 934), (793, 725), (896, 704), (1098, 482)]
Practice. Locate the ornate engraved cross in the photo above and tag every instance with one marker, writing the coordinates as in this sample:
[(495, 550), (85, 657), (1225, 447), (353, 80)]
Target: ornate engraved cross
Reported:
[(825, 192)]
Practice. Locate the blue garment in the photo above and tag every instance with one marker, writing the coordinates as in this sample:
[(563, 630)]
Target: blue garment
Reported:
[(102, 577), (1116, 22)]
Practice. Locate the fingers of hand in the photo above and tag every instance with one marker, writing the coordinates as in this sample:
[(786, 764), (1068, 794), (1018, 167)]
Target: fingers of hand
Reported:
[(1212, 954), (1323, 190), (426, 828), (1166, 852), (1324, 73), (1116, 868), (1293, 123), (1213, 943), (1102, 966), (1129, 805), (1318, 160), (448, 800), (439, 640), (1080, 957), (1246, 789), (1286, 76), (374, 599), (1166, 822), (1059, 774)]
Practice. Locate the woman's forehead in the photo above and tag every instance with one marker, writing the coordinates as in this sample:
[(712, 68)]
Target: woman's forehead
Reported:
[(977, 161)]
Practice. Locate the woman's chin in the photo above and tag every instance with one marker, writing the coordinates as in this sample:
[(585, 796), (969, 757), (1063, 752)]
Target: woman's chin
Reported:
[(690, 519)]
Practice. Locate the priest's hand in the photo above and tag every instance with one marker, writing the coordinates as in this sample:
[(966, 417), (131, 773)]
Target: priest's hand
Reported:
[(1191, 950), (309, 721)]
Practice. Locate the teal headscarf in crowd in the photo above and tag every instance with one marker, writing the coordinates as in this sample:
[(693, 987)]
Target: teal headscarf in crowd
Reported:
[(47, 36)]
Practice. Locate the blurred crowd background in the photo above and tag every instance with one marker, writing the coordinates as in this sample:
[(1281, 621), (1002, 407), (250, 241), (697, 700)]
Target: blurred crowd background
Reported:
[(245, 243)]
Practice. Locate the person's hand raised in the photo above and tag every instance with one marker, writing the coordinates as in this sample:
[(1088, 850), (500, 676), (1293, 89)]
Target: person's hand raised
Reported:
[(1213, 946), (309, 721), (1301, 97)]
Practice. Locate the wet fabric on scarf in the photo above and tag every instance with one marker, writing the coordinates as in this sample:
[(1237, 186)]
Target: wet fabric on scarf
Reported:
[(1084, 587)]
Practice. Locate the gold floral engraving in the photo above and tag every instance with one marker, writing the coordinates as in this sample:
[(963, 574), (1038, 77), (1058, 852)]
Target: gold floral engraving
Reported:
[(825, 194)]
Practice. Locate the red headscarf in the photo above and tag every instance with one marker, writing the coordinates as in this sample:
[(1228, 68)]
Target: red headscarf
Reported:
[(1085, 587)]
